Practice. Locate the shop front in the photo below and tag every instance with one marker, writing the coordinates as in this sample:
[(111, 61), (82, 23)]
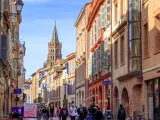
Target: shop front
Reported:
[(153, 96)]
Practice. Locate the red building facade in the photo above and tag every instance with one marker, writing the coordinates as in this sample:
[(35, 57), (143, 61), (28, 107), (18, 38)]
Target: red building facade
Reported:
[(98, 72)]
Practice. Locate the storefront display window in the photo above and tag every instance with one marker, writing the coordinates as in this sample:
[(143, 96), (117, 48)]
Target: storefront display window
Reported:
[(150, 100), (154, 99)]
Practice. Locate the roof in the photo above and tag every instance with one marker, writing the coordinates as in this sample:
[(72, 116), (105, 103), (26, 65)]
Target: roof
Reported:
[(80, 14), (28, 81), (55, 35), (71, 56), (43, 69)]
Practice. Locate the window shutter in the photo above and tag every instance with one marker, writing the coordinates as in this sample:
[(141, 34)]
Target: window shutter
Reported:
[(97, 37), (105, 15), (90, 38), (101, 56), (105, 53), (99, 26), (67, 68), (108, 11), (97, 61), (4, 47), (102, 16)]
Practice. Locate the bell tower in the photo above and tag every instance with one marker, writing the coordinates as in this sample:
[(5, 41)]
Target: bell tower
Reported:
[(54, 49)]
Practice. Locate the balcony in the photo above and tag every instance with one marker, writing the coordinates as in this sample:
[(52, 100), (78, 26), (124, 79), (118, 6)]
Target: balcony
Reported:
[(64, 81)]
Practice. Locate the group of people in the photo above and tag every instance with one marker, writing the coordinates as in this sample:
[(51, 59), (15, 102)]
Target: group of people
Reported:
[(80, 113)]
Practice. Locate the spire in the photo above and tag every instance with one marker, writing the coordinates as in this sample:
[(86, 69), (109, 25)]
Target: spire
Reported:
[(55, 34)]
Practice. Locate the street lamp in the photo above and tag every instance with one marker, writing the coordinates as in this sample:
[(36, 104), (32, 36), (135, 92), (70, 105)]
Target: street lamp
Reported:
[(19, 4)]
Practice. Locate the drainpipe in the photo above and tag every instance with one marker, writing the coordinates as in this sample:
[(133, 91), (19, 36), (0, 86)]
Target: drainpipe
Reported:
[(111, 61)]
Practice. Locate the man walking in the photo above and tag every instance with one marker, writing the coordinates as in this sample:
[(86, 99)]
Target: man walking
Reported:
[(73, 111), (81, 113), (121, 113), (63, 113)]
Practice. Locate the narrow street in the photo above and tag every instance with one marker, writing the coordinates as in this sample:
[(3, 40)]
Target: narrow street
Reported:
[(78, 58)]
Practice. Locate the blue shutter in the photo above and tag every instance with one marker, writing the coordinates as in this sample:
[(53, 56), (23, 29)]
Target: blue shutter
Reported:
[(67, 68)]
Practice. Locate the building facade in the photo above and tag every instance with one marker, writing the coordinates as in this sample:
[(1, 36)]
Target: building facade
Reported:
[(71, 79), (27, 88), (150, 21), (98, 88), (80, 71), (9, 53), (54, 49), (34, 87)]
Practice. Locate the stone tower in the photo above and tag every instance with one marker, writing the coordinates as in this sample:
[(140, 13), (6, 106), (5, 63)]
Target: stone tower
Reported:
[(54, 49)]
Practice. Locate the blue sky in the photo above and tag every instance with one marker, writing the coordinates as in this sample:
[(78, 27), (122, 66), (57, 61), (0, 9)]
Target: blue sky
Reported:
[(37, 26)]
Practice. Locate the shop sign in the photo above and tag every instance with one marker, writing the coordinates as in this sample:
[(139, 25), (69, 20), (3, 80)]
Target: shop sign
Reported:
[(104, 83), (17, 91), (30, 111)]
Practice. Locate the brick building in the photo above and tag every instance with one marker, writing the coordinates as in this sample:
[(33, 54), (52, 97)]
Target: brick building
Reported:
[(126, 59), (151, 57), (98, 70)]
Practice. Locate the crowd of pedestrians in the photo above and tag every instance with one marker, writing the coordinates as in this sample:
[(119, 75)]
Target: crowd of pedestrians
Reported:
[(79, 113)]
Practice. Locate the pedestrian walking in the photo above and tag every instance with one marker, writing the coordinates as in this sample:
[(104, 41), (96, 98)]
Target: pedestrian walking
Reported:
[(51, 112), (108, 114), (98, 115), (44, 114), (63, 113), (81, 113), (121, 113), (73, 111), (92, 109)]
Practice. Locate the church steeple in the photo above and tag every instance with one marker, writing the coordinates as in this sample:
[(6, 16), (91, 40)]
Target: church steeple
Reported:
[(54, 49), (55, 34)]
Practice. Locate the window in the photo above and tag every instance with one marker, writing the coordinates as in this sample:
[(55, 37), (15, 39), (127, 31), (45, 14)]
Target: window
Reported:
[(122, 50), (4, 47), (157, 34), (115, 13), (134, 36), (145, 40), (103, 15), (122, 7), (116, 53)]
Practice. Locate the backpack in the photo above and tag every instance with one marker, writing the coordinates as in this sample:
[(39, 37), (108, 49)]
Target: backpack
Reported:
[(81, 110), (122, 113), (64, 113), (109, 115)]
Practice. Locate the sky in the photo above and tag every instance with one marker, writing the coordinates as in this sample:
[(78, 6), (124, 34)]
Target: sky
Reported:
[(38, 20)]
